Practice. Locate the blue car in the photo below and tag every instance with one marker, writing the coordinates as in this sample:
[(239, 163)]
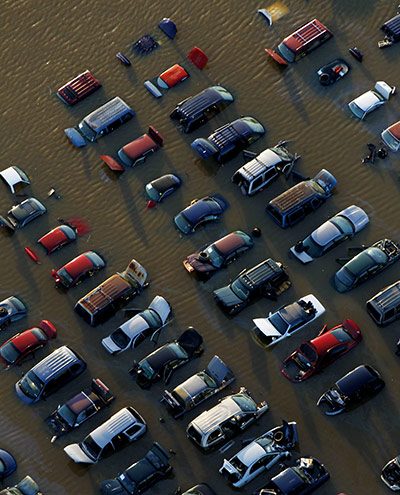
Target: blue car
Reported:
[(230, 139), (199, 212), (7, 464)]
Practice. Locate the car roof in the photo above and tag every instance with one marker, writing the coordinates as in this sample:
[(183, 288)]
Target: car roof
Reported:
[(161, 356), (351, 382), (324, 342), (287, 481), (117, 423), (368, 257), (294, 312), (106, 113), (25, 339), (13, 176), (54, 362), (196, 104), (207, 420), (230, 242), (395, 129), (251, 453), (304, 35), (138, 146), (202, 207)]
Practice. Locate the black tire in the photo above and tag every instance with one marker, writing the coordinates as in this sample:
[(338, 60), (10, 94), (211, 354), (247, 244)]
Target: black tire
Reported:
[(325, 79)]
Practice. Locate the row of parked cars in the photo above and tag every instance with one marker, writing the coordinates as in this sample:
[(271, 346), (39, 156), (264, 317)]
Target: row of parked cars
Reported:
[(236, 412)]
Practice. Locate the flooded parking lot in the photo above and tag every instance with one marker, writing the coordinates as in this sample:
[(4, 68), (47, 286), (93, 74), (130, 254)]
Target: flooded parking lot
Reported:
[(44, 46)]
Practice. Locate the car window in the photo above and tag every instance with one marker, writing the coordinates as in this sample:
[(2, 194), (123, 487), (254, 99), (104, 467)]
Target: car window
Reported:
[(257, 465), (119, 441), (107, 450), (296, 216), (133, 430)]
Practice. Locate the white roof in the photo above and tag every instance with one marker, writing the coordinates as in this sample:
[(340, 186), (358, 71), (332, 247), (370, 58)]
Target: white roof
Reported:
[(216, 415), (251, 453), (14, 175)]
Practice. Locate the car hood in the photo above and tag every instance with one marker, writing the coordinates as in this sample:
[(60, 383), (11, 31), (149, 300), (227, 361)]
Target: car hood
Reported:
[(204, 147), (366, 100), (75, 137), (301, 255), (75, 452), (266, 327), (111, 346), (161, 307), (227, 296)]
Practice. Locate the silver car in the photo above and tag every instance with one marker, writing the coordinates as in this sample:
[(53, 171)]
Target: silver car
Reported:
[(344, 225)]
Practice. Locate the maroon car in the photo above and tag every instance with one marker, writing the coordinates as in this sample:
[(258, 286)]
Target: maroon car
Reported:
[(58, 237), (22, 344), (312, 356), (219, 253), (84, 265)]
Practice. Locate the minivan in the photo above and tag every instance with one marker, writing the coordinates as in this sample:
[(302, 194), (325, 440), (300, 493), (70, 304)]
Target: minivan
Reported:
[(100, 122), (199, 109), (51, 373), (384, 307), (122, 428), (301, 42), (294, 204), (105, 299)]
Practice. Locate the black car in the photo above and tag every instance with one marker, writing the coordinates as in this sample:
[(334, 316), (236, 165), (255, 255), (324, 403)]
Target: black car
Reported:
[(79, 408), (390, 474), (160, 188), (304, 477), (202, 489), (143, 474), (161, 363), (23, 213), (357, 386), (267, 279)]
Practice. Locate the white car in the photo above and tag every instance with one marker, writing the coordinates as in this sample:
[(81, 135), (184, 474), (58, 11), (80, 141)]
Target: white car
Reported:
[(260, 455), (371, 100), (131, 333), (122, 428), (287, 320), (391, 136), (344, 225)]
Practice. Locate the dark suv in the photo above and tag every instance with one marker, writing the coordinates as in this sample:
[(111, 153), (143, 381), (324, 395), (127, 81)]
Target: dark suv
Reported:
[(267, 279)]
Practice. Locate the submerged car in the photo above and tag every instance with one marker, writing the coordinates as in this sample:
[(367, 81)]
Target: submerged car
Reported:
[(147, 323), (268, 279), (371, 100), (263, 169), (160, 188), (232, 415), (27, 486), (141, 475), (78, 88), (332, 72), (124, 427), (22, 345), (390, 474), (202, 489), (166, 80), (198, 387), (23, 213), (230, 139), (83, 266), (260, 455), (58, 237), (14, 176), (304, 477), (302, 41), (199, 109), (199, 212), (79, 408), (49, 375), (391, 136), (287, 320), (344, 225), (314, 355), (367, 264), (356, 387), (11, 309), (162, 362), (7, 464), (219, 253)]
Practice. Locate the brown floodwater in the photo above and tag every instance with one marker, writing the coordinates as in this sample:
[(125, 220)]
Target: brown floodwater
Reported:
[(45, 44)]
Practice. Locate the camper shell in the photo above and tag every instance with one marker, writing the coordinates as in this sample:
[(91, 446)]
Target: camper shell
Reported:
[(100, 122), (391, 28), (199, 109), (384, 307), (294, 204), (104, 300), (78, 88), (299, 43)]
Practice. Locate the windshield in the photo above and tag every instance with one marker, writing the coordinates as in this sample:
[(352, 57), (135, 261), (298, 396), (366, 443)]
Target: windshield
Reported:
[(358, 112), (65, 277), (309, 352), (31, 385), (207, 379), (390, 140), (87, 131), (120, 338), (345, 276), (317, 188), (342, 334), (9, 353), (153, 194), (151, 318), (312, 248), (286, 53), (146, 369), (183, 223), (240, 290), (245, 403), (90, 447), (279, 323), (214, 256), (67, 415)]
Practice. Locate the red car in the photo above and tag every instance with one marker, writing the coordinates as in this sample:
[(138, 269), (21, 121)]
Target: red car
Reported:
[(22, 344), (58, 237), (312, 356), (84, 265)]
